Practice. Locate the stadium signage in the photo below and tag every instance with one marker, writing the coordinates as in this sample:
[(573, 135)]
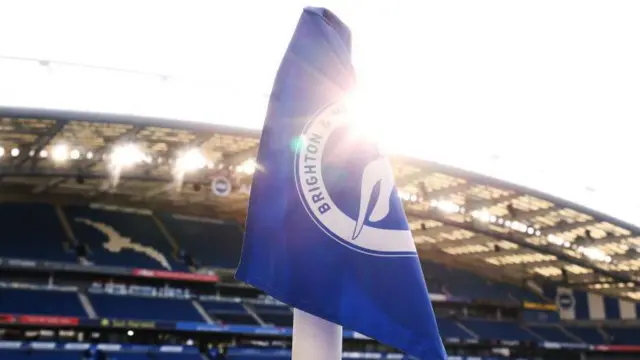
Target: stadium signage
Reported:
[(39, 320), (170, 275), (221, 186), (129, 324), (538, 306)]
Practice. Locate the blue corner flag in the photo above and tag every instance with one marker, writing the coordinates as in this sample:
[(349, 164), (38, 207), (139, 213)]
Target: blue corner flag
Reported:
[(326, 231)]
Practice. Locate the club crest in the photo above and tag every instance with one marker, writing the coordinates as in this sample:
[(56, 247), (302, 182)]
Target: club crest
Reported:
[(347, 187)]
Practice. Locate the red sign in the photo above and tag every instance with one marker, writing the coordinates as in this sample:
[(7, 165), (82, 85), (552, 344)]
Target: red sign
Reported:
[(48, 320), (7, 318), (618, 348), (170, 275), (39, 320)]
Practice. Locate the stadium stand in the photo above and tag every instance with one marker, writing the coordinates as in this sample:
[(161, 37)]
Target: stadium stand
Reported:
[(228, 312), (278, 315), (218, 244), (450, 329), (40, 302), (464, 283), (210, 242), (33, 231), (498, 330), (588, 334), (552, 333), (144, 308), (122, 239), (623, 335)]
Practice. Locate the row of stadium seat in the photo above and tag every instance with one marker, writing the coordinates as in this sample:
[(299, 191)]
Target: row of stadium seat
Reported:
[(137, 239), (233, 354), (35, 231), (64, 303), (465, 283)]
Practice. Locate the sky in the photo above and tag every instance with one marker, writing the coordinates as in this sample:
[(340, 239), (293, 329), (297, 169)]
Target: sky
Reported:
[(540, 93)]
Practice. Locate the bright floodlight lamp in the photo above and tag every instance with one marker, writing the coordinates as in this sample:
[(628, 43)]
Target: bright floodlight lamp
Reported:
[(60, 153), (74, 154), (127, 155), (248, 167), (191, 160), (15, 152)]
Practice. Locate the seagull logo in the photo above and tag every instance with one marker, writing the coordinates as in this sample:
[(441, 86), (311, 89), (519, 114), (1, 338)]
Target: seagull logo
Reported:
[(116, 242), (361, 218), (376, 172)]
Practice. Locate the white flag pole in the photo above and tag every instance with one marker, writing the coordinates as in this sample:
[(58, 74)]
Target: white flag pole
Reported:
[(315, 338)]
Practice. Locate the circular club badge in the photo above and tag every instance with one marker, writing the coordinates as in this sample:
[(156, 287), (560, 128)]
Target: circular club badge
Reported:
[(347, 187)]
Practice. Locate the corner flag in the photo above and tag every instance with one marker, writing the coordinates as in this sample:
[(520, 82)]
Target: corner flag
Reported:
[(326, 231)]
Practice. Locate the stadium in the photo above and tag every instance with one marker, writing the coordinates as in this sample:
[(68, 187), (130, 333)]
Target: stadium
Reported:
[(107, 251), (125, 194)]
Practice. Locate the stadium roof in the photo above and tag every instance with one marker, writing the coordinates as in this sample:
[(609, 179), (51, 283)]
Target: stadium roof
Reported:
[(457, 217)]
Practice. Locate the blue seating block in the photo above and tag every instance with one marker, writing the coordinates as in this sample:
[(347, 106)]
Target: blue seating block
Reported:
[(498, 330), (32, 231), (228, 312), (122, 239), (589, 335), (40, 302), (449, 329), (552, 333), (144, 308), (211, 242), (278, 315)]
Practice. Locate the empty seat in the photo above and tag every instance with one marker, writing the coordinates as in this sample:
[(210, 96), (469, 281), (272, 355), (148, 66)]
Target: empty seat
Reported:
[(40, 302), (54, 355), (11, 354), (623, 335), (144, 308), (589, 335), (467, 284), (122, 239), (32, 231), (258, 354), (177, 356), (279, 315), (212, 243), (552, 333), (228, 312), (449, 329), (498, 330)]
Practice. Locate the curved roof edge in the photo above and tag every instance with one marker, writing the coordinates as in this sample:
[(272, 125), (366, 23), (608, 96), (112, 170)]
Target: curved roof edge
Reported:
[(57, 114)]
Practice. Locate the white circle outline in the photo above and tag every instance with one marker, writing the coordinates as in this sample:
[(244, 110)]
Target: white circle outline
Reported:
[(323, 110)]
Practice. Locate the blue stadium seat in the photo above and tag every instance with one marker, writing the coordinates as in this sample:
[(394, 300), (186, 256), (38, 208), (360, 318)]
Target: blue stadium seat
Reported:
[(279, 315), (449, 329), (257, 354), (212, 243), (108, 234), (624, 335), (589, 335), (32, 231), (54, 355), (11, 354), (465, 283), (127, 356), (177, 356), (40, 302), (144, 308), (228, 312), (498, 330), (552, 333)]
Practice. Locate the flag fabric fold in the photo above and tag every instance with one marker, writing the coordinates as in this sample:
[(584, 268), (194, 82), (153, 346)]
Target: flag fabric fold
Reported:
[(326, 231)]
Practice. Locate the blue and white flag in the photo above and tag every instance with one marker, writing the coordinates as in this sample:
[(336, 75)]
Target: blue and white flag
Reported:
[(326, 231)]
